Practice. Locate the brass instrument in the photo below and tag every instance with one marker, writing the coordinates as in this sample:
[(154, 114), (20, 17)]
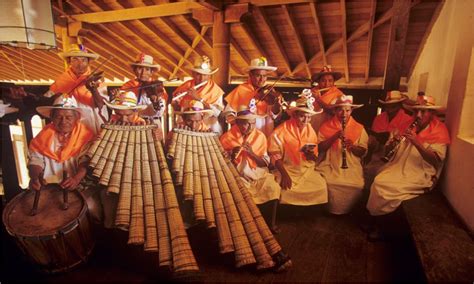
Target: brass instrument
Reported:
[(394, 144), (343, 144)]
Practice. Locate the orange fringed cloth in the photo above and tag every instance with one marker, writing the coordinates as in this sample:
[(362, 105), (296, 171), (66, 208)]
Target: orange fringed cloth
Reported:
[(352, 131), (133, 85), (67, 81), (210, 92), (435, 133), (256, 139), (242, 96), (400, 122)]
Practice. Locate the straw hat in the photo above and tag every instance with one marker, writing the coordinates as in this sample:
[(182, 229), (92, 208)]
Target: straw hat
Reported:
[(394, 97), (145, 60), (248, 112), (260, 63), (63, 102), (6, 109), (193, 106), (78, 50), (202, 65), (426, 102), (125, 100), (304, 103), (327, 70), (344, 100)]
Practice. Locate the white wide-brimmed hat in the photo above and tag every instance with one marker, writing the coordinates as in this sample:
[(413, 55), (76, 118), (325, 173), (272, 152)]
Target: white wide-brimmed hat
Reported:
[(426, 102), (344, 100), (125, 100), (245, 112), (327, 70), (6, 109), (304, 103), (260, 63), (78, 50), (63, 102), (193, 106), (202, 65), (145, 60), (394, 97)]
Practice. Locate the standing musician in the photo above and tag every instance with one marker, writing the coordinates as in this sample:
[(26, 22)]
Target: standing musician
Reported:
[(414, 165), (268, 106), (293, 150), (343, 144), (148, 90), (57, 153), (79, 82), (209, 94), (247, 147)]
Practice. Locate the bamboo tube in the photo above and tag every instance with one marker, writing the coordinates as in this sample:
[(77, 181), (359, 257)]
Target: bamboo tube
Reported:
[(172, 145), (116, 177), (179, 152), (243, 250), (97, 141), (136, 233), (110, 159), (205, 187), (264, 259), (188, 179), (122, 217), (183, 257), (99, 167), (100, 148), (182, 154), (151, 239), (198, 201)]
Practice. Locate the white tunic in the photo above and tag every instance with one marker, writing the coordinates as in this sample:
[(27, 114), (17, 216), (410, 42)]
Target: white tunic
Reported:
[(265, 124)]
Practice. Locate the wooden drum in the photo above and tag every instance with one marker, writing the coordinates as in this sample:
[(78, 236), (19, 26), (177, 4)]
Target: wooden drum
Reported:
[(54, 239)]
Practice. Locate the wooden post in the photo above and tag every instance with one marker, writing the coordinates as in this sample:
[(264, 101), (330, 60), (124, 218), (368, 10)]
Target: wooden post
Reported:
[(221, 48)]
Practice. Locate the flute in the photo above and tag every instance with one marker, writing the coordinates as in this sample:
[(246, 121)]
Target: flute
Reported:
[(186, 92)]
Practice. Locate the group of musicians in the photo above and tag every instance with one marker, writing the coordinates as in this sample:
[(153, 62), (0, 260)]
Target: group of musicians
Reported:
[(317, 156)]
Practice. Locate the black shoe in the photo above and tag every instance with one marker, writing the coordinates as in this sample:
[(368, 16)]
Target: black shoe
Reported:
[(282, 262)]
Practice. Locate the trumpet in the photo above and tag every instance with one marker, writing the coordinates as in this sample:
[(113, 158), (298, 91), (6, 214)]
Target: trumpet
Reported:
[(343, 144), (394, 144)]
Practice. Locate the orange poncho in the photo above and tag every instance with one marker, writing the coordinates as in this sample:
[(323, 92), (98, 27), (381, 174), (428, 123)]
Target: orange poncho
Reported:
[(242, 96), (68, 80), (435, 133), (256, 139), (133, 85), (293, 139), (352, 131), (80, 136), (136, 119), (401, 121), (210, 92)]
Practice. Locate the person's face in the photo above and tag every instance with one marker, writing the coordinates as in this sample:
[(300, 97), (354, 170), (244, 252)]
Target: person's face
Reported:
[(64, 120), (258, 77), (425, 116), (343, 113), (79, 64), (143, 73), (126, 115), (326, 81), (245, 125), (193, 120), (199, 78), (392, 109), (302, 118)]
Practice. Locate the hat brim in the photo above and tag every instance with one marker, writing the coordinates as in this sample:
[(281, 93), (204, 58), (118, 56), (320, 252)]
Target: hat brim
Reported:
[(267, 68), (65, 55), (392, 101), (353, 106), (206, 112), (426, 107), (250, 116), (303, 109), (122, 107), (156, 66), (204, 71), (8, 110), (46, 110), (336, 75)]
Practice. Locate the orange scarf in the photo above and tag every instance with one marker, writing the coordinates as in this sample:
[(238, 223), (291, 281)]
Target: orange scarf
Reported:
[(256, 139), (435, 133), (136, 119), (210, 92), (293, 139), (242, 96), (202, 126), (330, 95), (401, 121), (133, 85), (80, 136), (66, 83), (352, 132)]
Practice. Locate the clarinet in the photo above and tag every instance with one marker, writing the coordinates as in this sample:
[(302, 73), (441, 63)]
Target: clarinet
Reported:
[(394, 144), (343, 144)]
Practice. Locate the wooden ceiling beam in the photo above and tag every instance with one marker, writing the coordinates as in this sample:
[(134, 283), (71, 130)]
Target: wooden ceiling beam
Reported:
[(396, 44), (197, 31), (314, 14), (253, 38), (195, 42), (116, 70), (31, 61), (299, 42), (31, 72), (21, 72), (262, 3), (344, 39), (4, 75), (235, 45), (268, 27), (373, 7)]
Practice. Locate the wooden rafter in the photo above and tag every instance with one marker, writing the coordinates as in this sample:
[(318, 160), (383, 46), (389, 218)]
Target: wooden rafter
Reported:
[(261, 3), (268, 27), (195, 42), (344, 39), (37, 59), (299, 42), (314, 14), (253, 39), (21, 71), (235, 45), (11, 69), (373, 7), (17, 55)]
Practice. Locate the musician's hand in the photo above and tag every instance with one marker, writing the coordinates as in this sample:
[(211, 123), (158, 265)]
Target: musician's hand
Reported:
[(235, 150), (286, 182), (114, 93), (248, 148), (316, 93), (193, 94), (411, 136), (349, 144), (92, 85), (35, 184), (71, 183)]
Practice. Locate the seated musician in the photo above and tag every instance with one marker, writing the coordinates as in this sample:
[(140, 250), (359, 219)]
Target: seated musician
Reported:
[(293, 150), (341, 165), (209, 94), (393, 117), (414, 165), (79, 82), (267, 102), (247, 147), (148, 90), (57, 153), (126, 108), (194, 114)]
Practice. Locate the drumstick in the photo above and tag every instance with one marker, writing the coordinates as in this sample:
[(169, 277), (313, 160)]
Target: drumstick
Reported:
[(65, 191), (34, 210), (185, 93)]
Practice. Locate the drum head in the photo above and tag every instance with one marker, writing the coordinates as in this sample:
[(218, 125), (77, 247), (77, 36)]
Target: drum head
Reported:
[(50, 217)]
